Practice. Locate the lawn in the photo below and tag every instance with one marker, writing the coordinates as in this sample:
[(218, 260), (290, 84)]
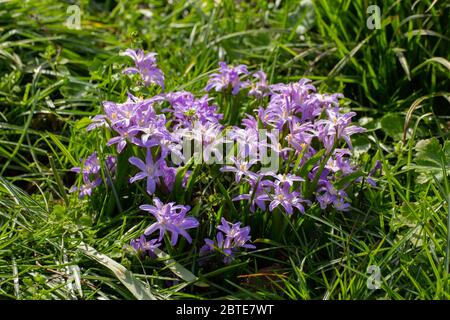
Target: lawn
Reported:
[(103, 103)]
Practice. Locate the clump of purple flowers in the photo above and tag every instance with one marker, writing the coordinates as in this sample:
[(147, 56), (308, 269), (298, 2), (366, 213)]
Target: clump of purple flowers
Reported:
[(308, 133), (301, 123), (90, 172), (228, 78), (144, 246), (145, 66), (229, 239), (170, 218), (259, 88), (158, 133)]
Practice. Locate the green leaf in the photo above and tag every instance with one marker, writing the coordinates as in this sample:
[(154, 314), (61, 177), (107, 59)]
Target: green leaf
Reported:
[(429, 152), (302, 19), (403, 62), (178, 269), (440, 60), (191, 182), (139, 290), (178, 190), (309, 164), (361, 145), (431, 159), (82, 123), (63, 149), (226, 195), (392, 125), (406, 217), (348, 179)]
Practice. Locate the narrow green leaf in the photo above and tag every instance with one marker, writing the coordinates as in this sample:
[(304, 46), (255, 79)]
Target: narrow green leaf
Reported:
[(178, 269), (139, 290)]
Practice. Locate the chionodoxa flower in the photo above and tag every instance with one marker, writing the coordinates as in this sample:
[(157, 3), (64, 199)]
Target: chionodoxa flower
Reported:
[(310, 139)]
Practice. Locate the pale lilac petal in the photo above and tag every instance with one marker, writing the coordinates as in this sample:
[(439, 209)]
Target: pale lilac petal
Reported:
[(138, 163)]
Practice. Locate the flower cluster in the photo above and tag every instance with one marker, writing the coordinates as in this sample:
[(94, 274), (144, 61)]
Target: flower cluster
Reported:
[(309, 137), (229, 239), (311, 129), (160, 134), (170, 218), (145, 246), (228, 78), (145, 66), (158, 131), (90, 172)]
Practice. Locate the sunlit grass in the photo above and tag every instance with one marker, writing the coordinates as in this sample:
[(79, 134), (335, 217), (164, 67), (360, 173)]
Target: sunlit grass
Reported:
[(52, 78)]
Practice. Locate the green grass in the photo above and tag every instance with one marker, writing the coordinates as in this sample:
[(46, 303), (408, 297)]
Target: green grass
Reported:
[(52, 78)]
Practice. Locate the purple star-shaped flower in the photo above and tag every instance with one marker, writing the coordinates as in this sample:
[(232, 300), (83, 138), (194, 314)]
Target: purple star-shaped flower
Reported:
[(170, 218), (286, 198), (336, 127), (149, 170), (145, 66), (90, 172), (141, 245), (241, 167), (229, 239), (327, 194), (228, 77), (260, 88)]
